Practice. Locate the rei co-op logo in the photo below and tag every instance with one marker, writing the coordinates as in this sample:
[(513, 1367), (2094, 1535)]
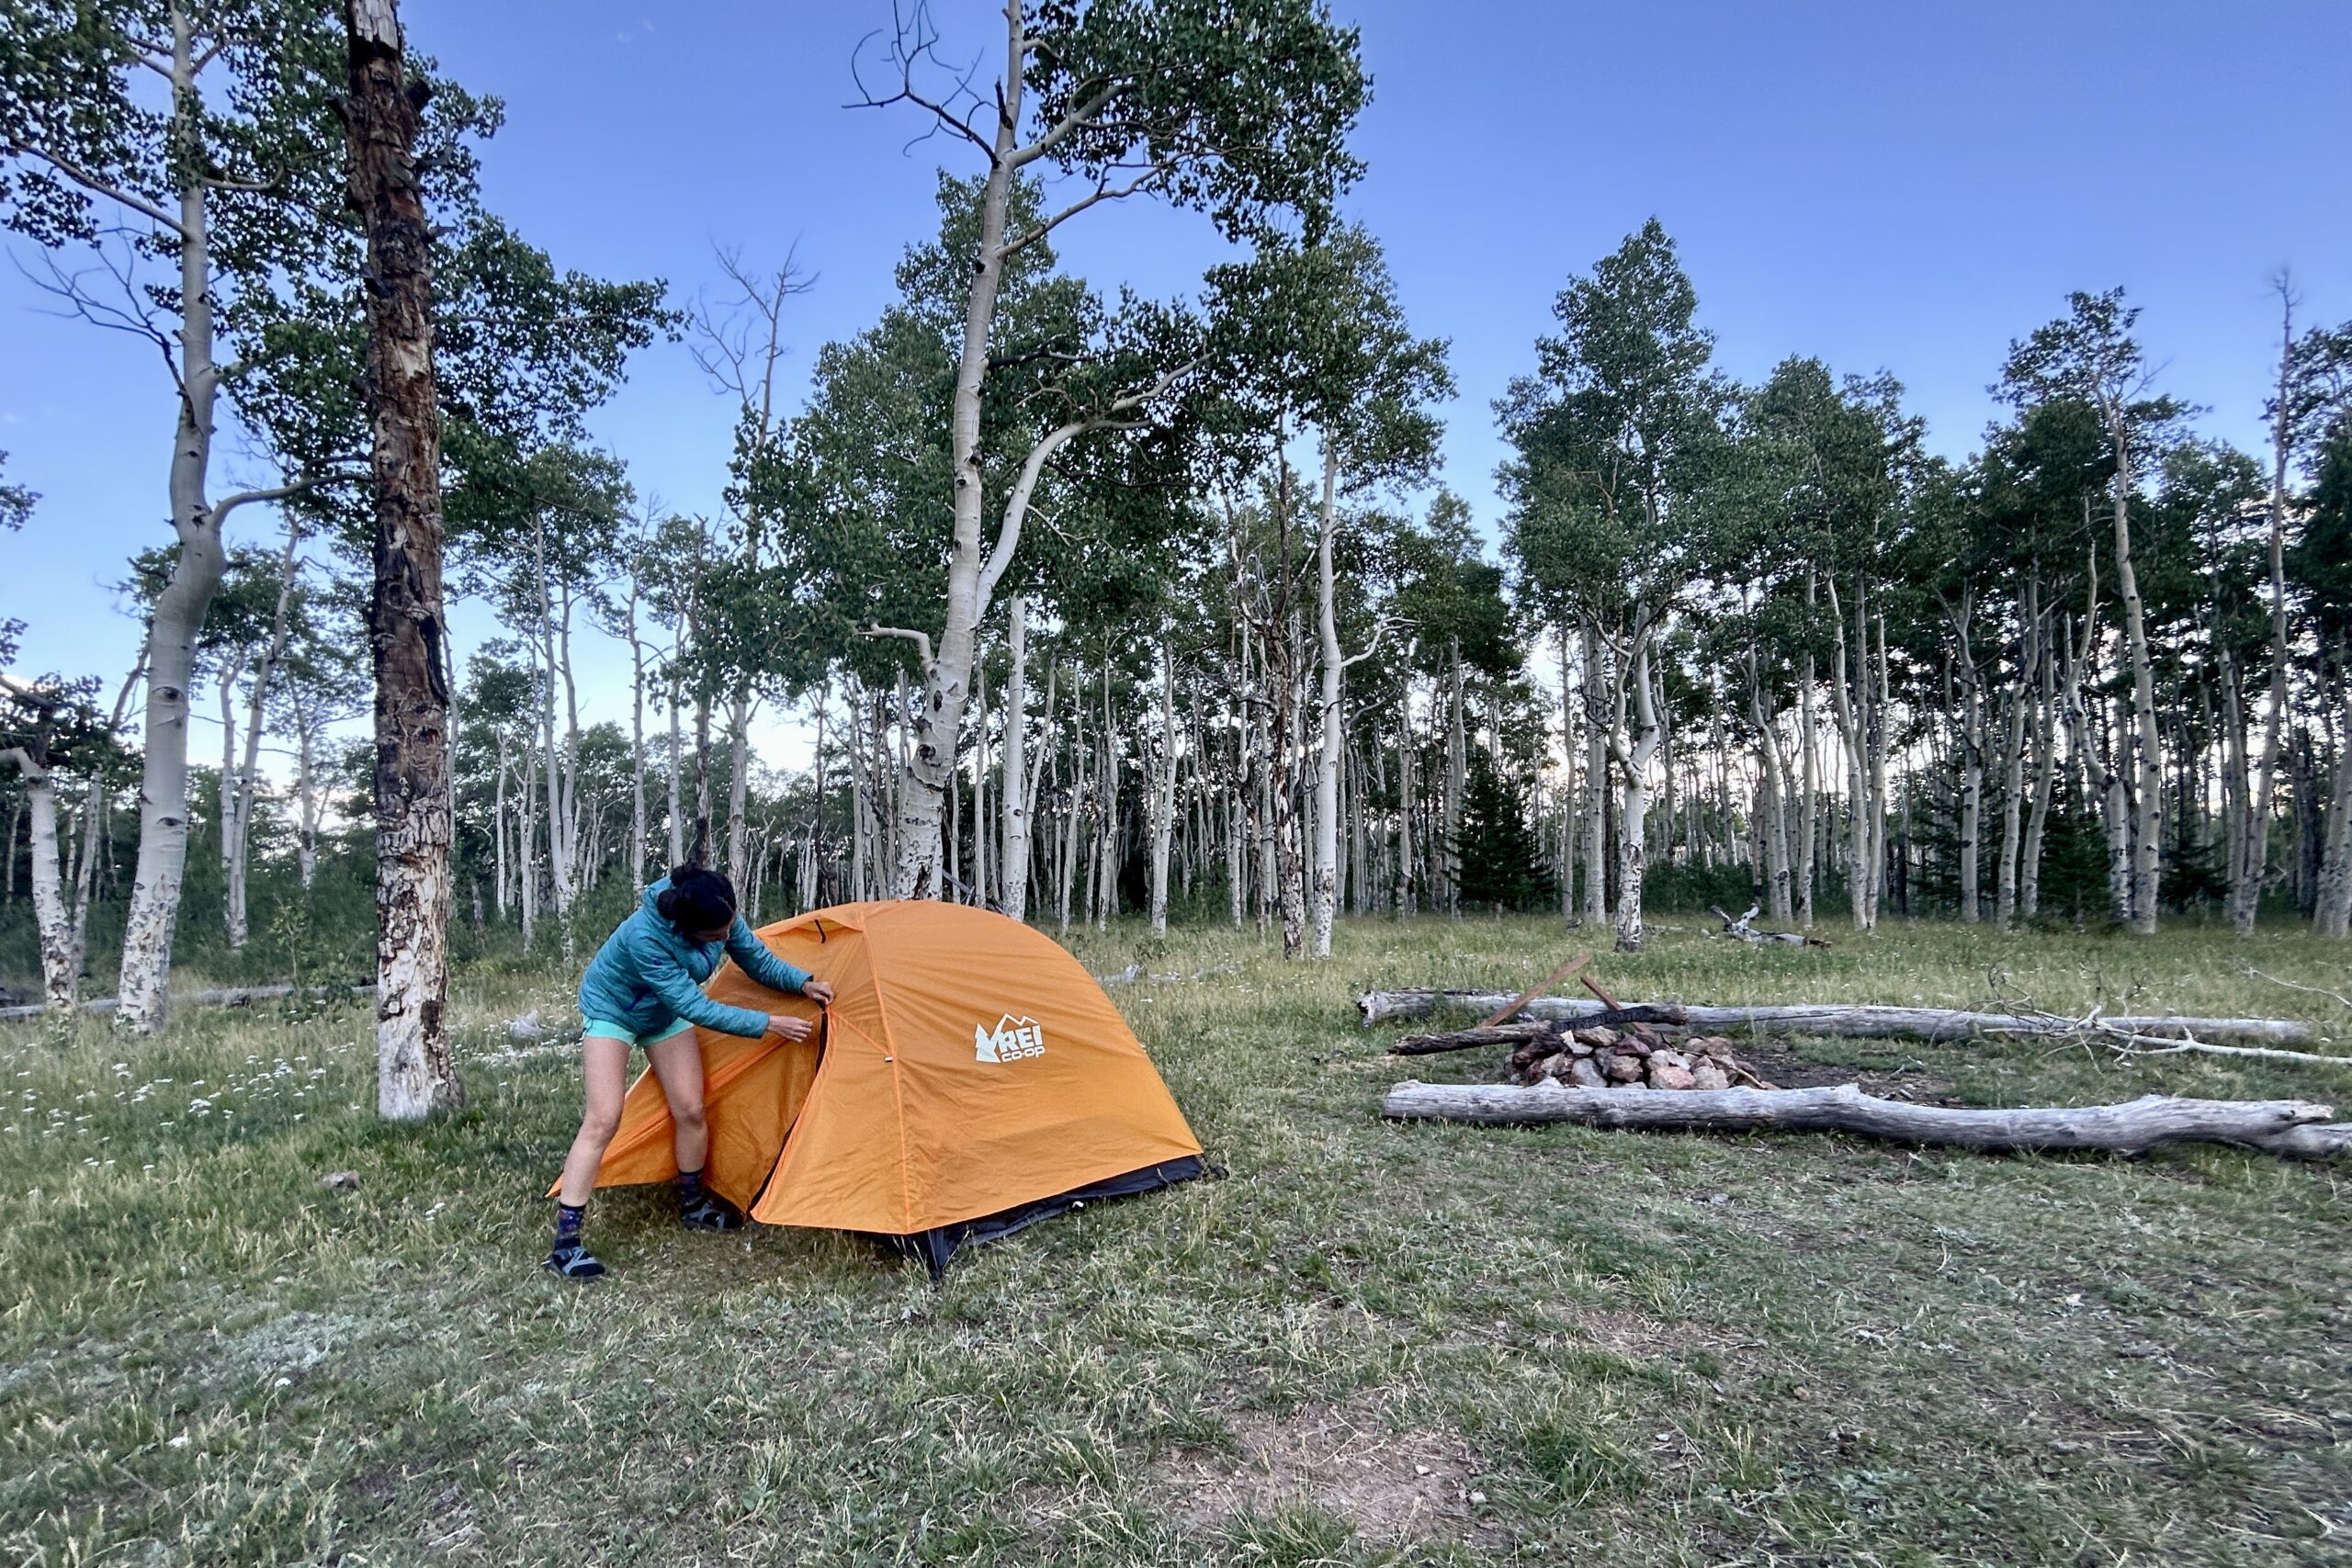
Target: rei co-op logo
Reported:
[(1015, 1039)]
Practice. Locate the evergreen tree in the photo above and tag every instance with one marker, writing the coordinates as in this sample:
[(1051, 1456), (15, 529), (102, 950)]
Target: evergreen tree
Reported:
[(1501, 862)]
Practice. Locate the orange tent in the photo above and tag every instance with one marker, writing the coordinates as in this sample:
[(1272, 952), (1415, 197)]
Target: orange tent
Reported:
[(968, 1079)]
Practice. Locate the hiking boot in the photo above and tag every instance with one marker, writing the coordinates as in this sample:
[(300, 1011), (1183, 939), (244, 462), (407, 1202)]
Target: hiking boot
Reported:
[(572, 1261), (710, 1212)]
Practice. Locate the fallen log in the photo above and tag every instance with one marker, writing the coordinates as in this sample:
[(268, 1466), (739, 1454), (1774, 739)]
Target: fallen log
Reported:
[(1745, 932), (230, 995), (1471, 1039), (1509, 1010), (2290, 1127), (1839, 1019)]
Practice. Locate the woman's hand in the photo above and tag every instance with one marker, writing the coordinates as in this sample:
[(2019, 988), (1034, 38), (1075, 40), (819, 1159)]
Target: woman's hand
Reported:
[(818, 991), (786, 1028)]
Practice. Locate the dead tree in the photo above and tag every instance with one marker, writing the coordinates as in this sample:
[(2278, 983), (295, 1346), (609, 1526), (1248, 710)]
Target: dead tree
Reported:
[(414, 824)]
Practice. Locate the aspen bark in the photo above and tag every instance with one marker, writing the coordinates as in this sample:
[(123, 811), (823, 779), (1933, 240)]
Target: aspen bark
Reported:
[(2253, 858), (1457, 775), (2148, 808), (2331, 908), (739, 768), (939, 717), (1809, 744), (1408, 895), (1596, 782), (1163, 792), (60, 969), (637, 823), (1569, 741), (1327, 766), (1770, 809), (2005, 895), (1012, 870), (1972, 761), (237, 830), (180, 609), (1635, 808), (414, 828), (2045, 754)]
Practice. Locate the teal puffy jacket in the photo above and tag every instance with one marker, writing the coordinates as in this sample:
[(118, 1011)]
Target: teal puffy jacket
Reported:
[(650, 974)]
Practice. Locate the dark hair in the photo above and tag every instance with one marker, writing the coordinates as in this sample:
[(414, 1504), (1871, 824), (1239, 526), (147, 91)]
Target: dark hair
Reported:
[(697, 899)]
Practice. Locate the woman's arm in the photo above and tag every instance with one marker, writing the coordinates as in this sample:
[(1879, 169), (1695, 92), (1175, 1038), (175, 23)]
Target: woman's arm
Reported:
[(682, 997), (752, 956)]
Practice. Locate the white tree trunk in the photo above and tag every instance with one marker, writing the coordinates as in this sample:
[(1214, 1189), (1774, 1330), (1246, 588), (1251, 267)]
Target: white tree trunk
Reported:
[(1635, 804), (1013, 871), (637, 824), (2045, 754), (60, 964), (1457, 776), (1808, 742), (739, 766), (2148, 814), (1596, 782), (1409, 889), (1163, 792), (1326, 763), (2253, 855), (2332, 912), (180, 609)]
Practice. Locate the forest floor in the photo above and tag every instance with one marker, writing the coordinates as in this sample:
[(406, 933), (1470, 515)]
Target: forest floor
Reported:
[(1372, 1343)]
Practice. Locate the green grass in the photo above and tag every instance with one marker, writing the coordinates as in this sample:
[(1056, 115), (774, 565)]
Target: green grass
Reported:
[(1370, 1344)]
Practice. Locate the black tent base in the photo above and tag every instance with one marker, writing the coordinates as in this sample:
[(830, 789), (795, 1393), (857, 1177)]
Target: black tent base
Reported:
[(934, 1248)]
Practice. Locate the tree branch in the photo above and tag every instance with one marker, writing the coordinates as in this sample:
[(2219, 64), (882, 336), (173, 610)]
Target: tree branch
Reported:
[(98, 186), (921, 640), (1069, 124), (1103, 191)]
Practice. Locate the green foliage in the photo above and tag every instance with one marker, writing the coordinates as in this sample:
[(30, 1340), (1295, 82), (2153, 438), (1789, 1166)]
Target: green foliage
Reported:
[(1243, 107), (2321, 561), (1500, 858), (861, 484), (1616, 437)]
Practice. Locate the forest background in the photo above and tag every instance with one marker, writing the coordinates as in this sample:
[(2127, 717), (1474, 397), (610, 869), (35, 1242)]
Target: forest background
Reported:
[(1959, 220)]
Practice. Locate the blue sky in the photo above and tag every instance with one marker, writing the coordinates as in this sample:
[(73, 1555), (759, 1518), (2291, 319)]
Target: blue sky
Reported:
[(1902, 187)]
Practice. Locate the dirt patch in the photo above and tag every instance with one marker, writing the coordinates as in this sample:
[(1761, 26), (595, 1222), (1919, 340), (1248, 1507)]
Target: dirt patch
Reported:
[(1788, 1070), (288, 1346), (1342, 1460)]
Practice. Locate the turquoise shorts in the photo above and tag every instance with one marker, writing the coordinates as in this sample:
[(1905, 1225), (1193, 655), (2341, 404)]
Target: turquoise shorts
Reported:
[(605, 1029)]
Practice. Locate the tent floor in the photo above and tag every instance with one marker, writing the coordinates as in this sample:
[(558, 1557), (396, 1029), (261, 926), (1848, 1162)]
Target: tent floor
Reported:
[(934, 1248)]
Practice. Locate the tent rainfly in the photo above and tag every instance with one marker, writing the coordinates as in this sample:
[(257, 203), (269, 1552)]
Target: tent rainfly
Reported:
[(969, 1078)]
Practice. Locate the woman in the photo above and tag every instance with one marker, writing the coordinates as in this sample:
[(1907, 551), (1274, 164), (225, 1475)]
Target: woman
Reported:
[(644, 988)]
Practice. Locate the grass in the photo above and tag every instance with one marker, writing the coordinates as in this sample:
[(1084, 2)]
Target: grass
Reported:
[(1370, 1344)]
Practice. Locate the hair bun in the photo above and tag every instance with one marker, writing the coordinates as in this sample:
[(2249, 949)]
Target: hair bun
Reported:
[(697, 899)]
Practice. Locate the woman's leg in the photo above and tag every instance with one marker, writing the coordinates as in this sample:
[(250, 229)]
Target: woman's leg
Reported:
[(604, 1065), (677, 1063)]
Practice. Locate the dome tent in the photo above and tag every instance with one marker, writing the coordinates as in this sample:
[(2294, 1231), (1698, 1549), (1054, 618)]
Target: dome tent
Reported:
[(969, 1078)]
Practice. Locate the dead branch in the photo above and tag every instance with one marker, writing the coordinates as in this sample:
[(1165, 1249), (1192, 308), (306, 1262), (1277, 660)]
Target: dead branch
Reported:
[(1846, 1020), (1745, 932)]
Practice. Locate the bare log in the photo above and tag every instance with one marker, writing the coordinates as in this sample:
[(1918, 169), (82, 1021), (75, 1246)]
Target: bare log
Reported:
[(2283, 1126), (1745, 932), (1511, 1009), (1471, 1039), (1842, 1020)]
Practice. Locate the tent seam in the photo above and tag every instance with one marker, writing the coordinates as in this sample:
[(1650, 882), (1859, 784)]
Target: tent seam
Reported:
[(898, 1094)]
